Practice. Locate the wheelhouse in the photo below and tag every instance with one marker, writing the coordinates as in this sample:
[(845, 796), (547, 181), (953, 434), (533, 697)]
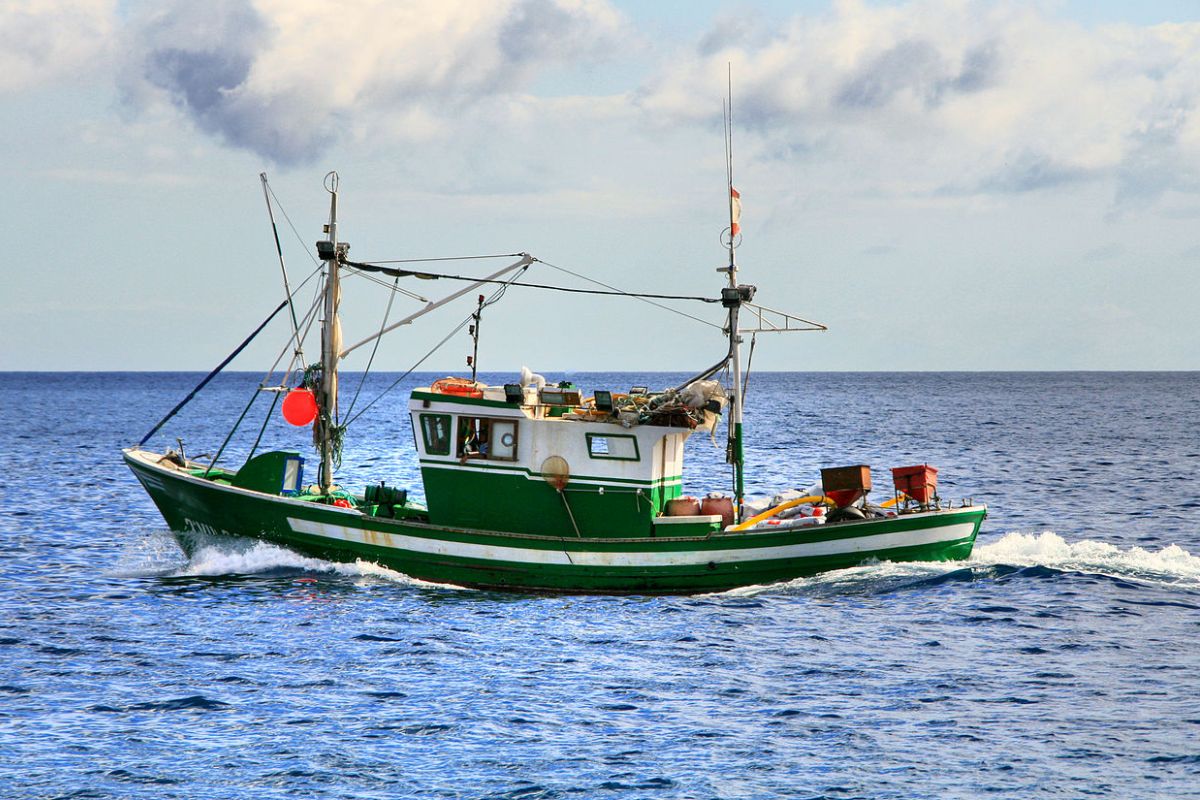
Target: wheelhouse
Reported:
[(543, 462)]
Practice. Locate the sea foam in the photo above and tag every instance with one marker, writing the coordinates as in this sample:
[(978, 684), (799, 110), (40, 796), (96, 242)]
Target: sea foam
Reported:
[(239, 557), (235, 558), (1170, 564)]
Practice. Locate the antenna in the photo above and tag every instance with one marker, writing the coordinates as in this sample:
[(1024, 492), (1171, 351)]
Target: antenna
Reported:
[(732, 196)]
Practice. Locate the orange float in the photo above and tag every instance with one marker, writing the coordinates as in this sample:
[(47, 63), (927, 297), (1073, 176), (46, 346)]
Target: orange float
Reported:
[(300, 407), (456, 386)]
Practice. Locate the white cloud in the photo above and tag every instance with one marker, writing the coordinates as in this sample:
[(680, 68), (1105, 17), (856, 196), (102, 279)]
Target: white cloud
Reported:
[(285, 79), (925, 100), (44, 41), (951, 96)]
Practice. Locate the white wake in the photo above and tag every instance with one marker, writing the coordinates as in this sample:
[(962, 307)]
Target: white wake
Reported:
[(1169, 564), (158, 554)]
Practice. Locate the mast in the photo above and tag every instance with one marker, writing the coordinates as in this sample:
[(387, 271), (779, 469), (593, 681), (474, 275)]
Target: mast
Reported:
[(331, 339), (473, 360), (732, 297)]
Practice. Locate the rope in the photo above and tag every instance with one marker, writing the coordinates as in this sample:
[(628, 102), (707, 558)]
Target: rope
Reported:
[(213, 374)]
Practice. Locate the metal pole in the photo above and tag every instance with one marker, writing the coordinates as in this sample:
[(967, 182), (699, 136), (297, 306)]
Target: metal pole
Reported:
[(475, 335), (329, 347), (287, 289)]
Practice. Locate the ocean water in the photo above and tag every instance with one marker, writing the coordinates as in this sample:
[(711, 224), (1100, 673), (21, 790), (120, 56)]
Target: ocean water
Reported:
[(1062, 660)]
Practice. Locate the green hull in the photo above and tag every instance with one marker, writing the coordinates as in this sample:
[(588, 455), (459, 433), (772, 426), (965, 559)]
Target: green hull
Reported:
[(538, 563)]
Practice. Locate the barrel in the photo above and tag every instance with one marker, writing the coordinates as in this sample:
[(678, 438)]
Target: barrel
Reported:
[(683, 507), (718, 504)]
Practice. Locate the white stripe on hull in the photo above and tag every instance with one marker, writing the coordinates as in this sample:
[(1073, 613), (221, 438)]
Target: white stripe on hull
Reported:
[(524, 555), (576, 480), (151, 483)]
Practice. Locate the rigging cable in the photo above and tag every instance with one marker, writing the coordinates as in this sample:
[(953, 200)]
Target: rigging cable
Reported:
[(263, 429), (225, 363), (638, 297), (749, 361), (375, 349), (232, 431), (499, 293), (306, 323), (214, 373), (291, 225), (395, 288), (403, 273)]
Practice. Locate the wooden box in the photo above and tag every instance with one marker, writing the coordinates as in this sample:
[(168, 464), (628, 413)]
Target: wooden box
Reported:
[(844, 485), (918, 482)]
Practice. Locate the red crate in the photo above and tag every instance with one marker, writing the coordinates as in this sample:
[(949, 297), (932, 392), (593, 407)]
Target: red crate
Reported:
[(919, 482)]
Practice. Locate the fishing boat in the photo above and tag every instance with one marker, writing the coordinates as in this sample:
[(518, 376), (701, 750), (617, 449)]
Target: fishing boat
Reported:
[(537, 486)]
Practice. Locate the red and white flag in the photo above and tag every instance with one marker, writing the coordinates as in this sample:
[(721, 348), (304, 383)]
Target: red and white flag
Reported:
[(735, 211)]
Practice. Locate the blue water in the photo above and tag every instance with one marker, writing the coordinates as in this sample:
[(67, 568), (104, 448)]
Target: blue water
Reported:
[(1061, 660)]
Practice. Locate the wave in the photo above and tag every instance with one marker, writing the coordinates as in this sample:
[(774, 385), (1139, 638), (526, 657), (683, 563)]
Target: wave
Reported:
[(214, 557), (153, 554), (238, 558), (157, 554), (1033, 555), (1170, 564)]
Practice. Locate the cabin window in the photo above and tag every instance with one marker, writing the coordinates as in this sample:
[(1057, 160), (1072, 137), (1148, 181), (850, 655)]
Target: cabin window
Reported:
[(293, 474), (436, 430), (616, 447), (493, 439)]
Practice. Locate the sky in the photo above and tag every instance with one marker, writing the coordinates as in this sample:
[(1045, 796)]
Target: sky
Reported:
[(945, 184)]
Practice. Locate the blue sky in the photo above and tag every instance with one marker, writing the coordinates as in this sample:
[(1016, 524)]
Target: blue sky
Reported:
[(946, 184)]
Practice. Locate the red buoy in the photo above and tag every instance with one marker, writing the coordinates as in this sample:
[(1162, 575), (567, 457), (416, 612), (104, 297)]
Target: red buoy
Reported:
[(300, 407)]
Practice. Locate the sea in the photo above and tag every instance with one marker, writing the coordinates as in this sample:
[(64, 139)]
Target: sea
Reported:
[(1061, 660)]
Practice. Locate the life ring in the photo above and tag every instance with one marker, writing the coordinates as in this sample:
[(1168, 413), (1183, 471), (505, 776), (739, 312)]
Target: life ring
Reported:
[(456, 386)]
